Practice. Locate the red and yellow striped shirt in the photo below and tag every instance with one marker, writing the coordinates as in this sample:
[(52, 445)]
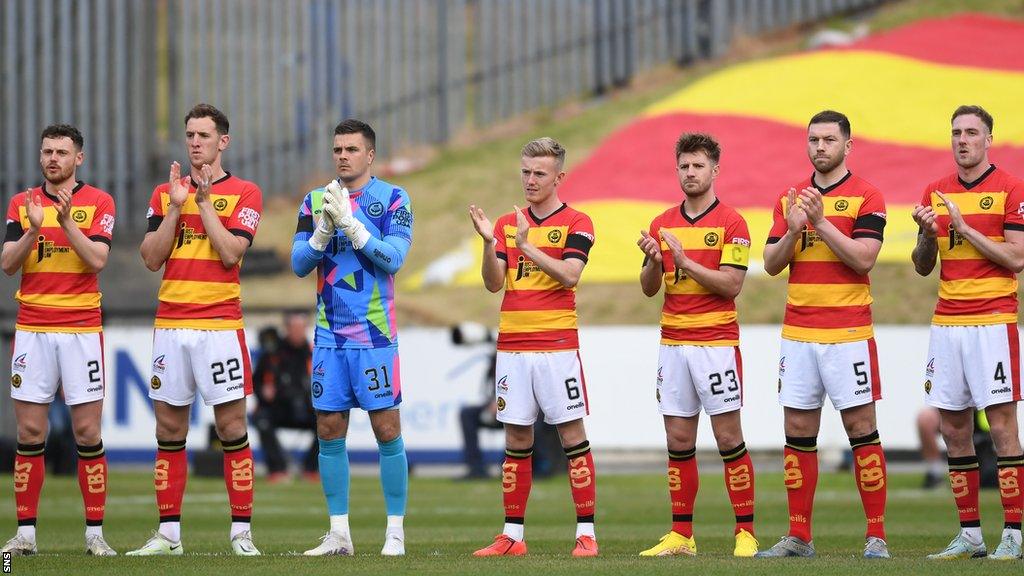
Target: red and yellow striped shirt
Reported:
[(973, 290), (58, 292), (538, 314), (827, 301), (197, 291), (692, 314)]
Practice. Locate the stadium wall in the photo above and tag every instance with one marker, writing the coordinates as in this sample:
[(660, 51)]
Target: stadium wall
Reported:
[(620, 365)]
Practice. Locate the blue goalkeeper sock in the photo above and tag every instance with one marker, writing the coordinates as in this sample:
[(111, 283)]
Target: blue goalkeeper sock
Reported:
[(334, 475), (394, 475)]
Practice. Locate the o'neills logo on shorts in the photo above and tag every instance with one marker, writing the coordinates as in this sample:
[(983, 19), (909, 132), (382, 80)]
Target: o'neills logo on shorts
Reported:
[(1003, 390), (579, 404)]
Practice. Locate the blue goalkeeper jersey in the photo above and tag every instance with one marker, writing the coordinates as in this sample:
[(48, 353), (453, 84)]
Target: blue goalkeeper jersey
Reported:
[(355, 300)]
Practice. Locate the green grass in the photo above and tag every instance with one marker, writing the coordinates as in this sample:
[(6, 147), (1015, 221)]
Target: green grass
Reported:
[(447, 520)]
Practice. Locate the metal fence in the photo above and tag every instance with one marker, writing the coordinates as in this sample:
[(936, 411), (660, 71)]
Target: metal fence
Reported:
[(286, 71)]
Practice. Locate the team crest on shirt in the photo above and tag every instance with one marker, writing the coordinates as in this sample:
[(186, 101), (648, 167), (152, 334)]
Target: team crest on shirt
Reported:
[(554, 236), (20, 363), (16, 380), (154, 382), (158, 364), (842, 205), (501, 404), (503, 384), (318, 389), (929, 370), (986, 202), (79, 216), (375, 209), (711, 238), (927, 386), (220, 204)]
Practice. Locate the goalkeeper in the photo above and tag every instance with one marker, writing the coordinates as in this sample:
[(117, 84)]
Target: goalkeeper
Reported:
[(356, 232)]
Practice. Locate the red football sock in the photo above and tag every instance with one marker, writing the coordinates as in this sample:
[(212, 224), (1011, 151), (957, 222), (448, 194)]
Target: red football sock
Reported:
[(683, 482), (238, 477), (169, 477), (739, 483), (800, 468), (516, 481), (1011, 473), (582, 480), (965, 482), (92, 481), (29, 470), (869, 470)]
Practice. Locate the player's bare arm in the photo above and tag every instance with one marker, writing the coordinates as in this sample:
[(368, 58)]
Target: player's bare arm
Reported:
[(726, 282), (653, 269), (859, 254), (927, 249), (157, 245), (229, 247), (493, 268), (14, 253), (778, 255), (1008, 254), (93, 253), (565, 272)]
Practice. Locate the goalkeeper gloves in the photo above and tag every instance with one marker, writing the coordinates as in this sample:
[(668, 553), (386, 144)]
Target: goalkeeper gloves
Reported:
[(354, 229), (330, 212)]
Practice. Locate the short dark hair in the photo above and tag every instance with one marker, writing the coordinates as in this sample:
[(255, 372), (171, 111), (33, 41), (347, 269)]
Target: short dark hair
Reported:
[(977, 111), (63, 131), (830, 116), (353, 126), (699, 142), (203, 110)]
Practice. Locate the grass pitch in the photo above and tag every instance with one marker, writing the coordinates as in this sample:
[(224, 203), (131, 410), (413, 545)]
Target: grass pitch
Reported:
[(447, 520)]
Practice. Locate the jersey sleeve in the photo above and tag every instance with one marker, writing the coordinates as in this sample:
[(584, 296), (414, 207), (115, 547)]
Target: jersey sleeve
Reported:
[(1013, 219), (870, 222), (102, 229), (736, 247), (579, 238), (500, 244), (14, 229), (304, 224), (245, 219), (155, 214), (399, 216), (779, 224)]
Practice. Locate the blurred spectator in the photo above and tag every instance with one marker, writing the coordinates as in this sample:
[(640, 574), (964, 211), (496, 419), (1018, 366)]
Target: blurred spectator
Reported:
[(547, 448), (282, 386), (936, 473)]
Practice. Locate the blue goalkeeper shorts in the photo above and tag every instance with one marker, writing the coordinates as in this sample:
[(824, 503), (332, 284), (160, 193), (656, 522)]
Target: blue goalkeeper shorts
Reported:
[(346, 378)]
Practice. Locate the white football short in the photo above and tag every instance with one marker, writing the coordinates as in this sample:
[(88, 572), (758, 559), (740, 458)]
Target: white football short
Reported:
[(549, 382), (216, 362), (847, 372), (43, 361), (693, 376), (972, 366)]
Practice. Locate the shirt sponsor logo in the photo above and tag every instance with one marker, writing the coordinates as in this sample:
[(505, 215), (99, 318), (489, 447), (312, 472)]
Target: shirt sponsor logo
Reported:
[(740, 241), (586, 235), (403, 217), (107, 223), (150, 212), (249, 218)]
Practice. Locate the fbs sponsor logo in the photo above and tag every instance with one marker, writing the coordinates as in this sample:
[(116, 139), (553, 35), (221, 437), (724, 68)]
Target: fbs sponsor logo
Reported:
[(318, 389), (20, 363), (155, 383), (782, 367), (158, 364), (929, 370), (1002, 390), (501, 404), (661, 377), (16, 380), (579, 404), (503, 384), (319, 370)]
